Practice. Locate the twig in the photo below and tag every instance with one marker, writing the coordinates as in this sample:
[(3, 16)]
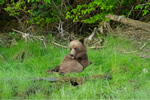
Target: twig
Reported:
[(1, 41), (19, 21), (130, 12), (27, 36), (60, 29), (145, 57), (143, 46), (92, 35), (59, 45), (18, 31), (137, 50), (57, 8), (131, 52), (94, 47)]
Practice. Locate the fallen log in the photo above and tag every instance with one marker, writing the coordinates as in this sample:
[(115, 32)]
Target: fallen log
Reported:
[(74, 80), (128, 21)]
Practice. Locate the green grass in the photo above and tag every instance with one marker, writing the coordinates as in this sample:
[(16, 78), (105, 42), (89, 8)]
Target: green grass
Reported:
[(129, 81)]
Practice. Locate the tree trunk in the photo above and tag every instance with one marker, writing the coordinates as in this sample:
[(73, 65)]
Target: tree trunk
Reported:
[(131, 22)]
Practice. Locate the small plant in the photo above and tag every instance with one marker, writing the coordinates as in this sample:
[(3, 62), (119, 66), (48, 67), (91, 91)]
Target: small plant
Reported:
[(11, 34), (144, 7)]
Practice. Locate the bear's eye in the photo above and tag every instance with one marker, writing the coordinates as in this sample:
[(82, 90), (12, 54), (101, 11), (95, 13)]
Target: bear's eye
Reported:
[(70, 48), (76, 48)]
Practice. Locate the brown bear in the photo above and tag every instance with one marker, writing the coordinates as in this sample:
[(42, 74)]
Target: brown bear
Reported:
[(76, 60)]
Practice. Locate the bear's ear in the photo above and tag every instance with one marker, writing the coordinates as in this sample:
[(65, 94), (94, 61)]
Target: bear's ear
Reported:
[(81, 40), (70, 38)]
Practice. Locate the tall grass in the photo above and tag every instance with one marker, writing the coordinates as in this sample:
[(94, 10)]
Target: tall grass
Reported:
[(130, 73)]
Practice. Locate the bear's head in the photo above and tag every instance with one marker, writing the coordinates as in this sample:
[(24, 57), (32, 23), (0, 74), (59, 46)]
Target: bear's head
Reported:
[(76, 47)]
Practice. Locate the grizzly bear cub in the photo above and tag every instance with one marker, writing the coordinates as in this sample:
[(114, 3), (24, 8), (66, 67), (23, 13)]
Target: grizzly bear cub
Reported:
[(76, 60)]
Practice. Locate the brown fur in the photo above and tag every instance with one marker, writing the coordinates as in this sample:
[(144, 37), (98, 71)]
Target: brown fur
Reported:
[(83, 59), (70, 65), (76, 60)]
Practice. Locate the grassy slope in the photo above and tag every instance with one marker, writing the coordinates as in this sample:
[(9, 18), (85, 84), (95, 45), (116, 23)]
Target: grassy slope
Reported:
[(129, 79)]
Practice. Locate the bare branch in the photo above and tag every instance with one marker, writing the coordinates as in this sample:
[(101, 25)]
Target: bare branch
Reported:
[(59, 45), (131, 22), (137, 50), (27, 36), (92, 35), (98, 47), (57, 8)]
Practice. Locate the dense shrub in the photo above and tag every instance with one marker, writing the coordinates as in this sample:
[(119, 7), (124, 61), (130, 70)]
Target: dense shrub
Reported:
[(96, 10), (35, 11), (79, 12)]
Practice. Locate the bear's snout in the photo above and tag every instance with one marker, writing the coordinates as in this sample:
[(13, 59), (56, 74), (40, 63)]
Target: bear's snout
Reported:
[(72, 53), (72, 56)]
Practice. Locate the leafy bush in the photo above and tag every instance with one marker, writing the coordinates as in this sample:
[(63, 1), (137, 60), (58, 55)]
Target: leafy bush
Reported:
[(96, 10), (43, 12), (98, 7), (37, 11), (144, 7), (2, 2)]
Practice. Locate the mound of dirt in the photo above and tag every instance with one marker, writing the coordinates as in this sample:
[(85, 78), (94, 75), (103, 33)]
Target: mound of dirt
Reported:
[(140, 37), (133, 33)]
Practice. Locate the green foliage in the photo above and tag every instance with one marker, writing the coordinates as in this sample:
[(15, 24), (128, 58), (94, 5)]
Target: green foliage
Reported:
[(2, 2), (37, 11), (12, 34), (102, 6), (130, 74), (39, 14), (144, 7), (42, 12), (46, 1), (96, 10), (14, 8)]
